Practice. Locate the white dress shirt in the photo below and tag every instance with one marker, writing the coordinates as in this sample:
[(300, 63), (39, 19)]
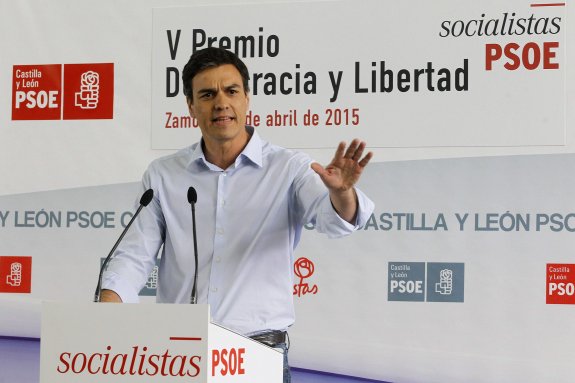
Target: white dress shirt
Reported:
[(249, 219)]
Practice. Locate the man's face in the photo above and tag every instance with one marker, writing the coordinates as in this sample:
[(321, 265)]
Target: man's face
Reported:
[(220, 104)]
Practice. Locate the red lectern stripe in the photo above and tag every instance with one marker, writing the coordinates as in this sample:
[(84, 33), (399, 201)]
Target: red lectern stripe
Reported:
[(548, 5)]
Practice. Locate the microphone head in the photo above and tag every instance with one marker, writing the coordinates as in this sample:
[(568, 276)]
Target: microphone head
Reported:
[(192, 195), (147, 197)]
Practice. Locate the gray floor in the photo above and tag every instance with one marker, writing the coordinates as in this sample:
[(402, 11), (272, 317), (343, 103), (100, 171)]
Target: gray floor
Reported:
[(20, 363)]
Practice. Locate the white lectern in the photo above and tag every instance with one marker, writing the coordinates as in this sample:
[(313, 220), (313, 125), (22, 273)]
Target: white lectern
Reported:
[(96, 342)]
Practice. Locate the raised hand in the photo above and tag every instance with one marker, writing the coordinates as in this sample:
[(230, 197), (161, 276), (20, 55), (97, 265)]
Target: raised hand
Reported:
[(341, 174), (345, 168)]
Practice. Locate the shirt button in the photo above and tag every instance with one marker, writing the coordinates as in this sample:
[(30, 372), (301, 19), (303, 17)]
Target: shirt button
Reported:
[(218, 259), (214, 289), (220, 231)]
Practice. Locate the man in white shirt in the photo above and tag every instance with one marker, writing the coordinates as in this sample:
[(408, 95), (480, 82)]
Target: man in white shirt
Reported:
[(253, 200)]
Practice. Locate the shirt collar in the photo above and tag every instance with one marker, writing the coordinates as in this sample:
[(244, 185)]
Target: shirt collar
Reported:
[(252, 151)]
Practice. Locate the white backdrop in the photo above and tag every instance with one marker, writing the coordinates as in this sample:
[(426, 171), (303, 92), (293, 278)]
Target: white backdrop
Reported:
[(499, 152), (357, 70)]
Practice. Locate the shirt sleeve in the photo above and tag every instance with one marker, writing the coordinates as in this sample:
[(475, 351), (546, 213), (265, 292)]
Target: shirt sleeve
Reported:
[(136, 255)]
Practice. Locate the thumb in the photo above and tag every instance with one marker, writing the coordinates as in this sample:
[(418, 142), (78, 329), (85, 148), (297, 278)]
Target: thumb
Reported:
[(317, 168)]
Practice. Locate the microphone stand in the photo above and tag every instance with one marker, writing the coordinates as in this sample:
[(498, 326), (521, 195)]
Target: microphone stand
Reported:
[(192, 198), (144, 201)]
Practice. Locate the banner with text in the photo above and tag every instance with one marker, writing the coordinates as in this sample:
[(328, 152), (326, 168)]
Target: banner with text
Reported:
[(397, 74)]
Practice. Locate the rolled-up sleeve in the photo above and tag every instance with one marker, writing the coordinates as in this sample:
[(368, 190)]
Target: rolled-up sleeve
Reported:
[(331, 224), (136, 255)]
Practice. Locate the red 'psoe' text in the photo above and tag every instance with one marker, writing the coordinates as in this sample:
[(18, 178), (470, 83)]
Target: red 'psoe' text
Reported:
[(231, 362), (530, 56)]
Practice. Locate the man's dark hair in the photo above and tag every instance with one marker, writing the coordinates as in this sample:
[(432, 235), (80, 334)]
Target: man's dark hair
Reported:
[(210, 58)]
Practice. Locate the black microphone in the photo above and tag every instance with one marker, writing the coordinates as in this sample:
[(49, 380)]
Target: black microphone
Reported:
[(144, 201), (192, 199)]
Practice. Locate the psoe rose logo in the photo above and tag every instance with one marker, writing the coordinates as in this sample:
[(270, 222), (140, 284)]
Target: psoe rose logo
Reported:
[(303, 269), (88, 91), (88, 96), (15, 274)]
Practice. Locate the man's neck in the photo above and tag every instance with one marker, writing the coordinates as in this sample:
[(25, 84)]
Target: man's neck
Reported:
[(224, 153)]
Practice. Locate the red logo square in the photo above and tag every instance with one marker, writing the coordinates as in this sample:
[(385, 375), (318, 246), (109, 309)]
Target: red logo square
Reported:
[(15, 274), (88, 91), (36, 92), (561, 283)]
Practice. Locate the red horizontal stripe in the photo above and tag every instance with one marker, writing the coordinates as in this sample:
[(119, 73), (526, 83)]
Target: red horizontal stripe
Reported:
[(548, 5)]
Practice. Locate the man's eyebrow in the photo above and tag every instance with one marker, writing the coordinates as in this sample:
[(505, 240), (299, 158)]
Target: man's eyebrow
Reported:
[(231, 86), (214, 90), (206, 90)]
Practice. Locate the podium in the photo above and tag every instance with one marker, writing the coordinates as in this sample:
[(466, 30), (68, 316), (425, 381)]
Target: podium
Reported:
[(97, 342)]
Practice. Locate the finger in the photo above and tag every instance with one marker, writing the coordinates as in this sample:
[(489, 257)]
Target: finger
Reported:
[(351, 149), (359, 152), (339, 151), (365, 160)]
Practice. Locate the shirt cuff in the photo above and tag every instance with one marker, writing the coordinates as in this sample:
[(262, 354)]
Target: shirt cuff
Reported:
[(365, 208), (334, 226), (112, 281)]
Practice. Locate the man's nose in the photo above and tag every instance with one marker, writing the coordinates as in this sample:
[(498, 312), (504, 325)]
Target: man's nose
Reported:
[(221, 101)]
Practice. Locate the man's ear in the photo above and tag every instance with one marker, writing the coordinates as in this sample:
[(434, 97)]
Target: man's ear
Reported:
[(191, 107)]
